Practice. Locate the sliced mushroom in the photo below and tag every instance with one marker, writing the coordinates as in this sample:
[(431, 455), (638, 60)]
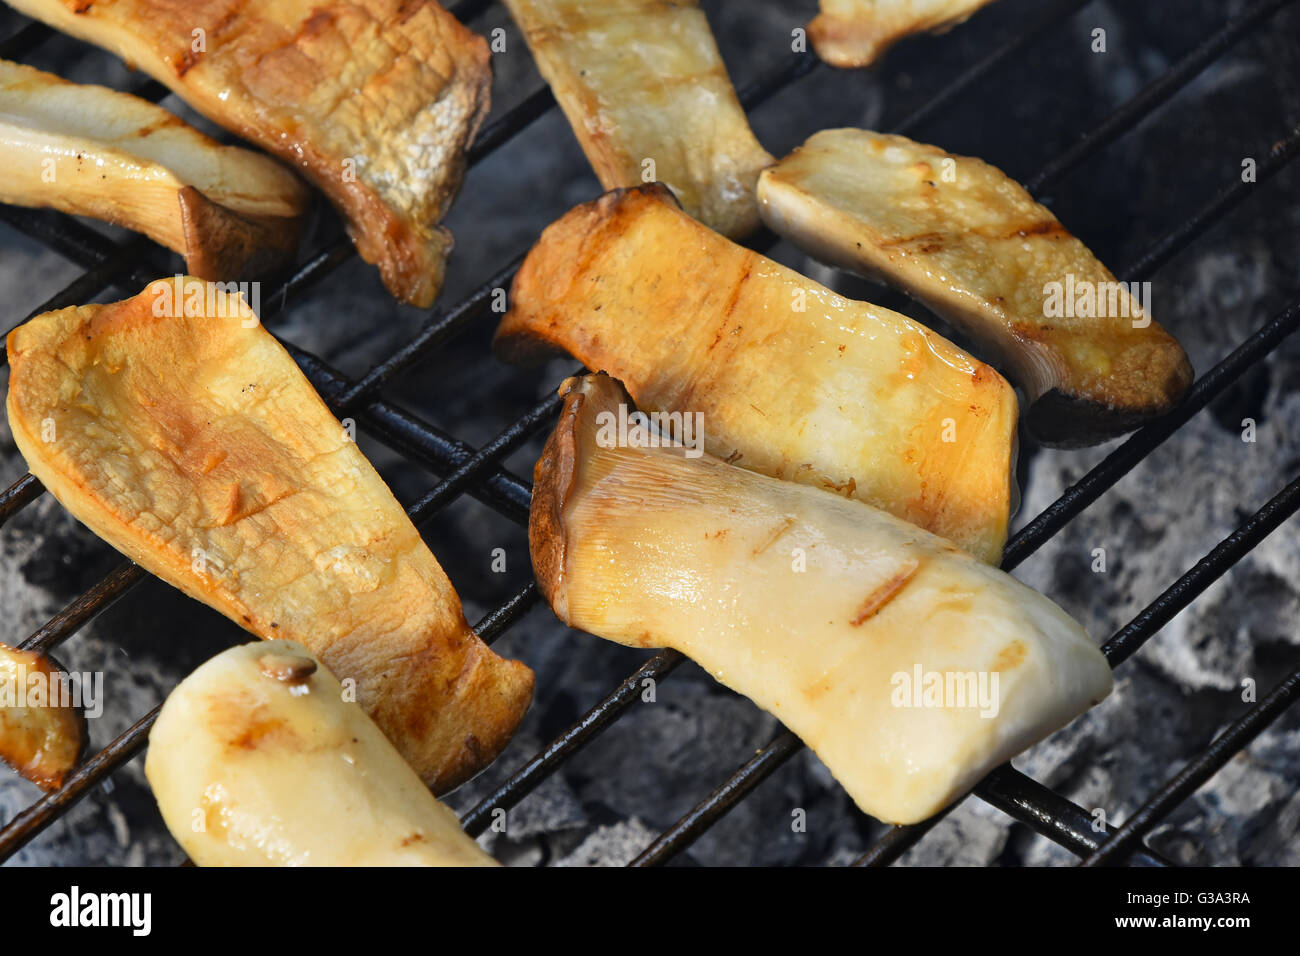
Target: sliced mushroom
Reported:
[(856, 32), (791, 379), (42, 733), (648, 96), (834, 616), (374, 101), (973, 245), (177, 429), (250, 770), (91, 151)]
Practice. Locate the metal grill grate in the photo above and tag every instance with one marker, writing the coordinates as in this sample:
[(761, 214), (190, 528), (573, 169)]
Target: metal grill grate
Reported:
[(478, 472)]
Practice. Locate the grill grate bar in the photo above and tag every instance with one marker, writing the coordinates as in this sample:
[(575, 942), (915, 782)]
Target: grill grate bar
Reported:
[(18, 496), (1048, 813), (65, 235), (1236, 738), (1158, 92), (515, 435), (1142, 442), (528, 777), (1205, 572), (84, 608), (982, 68), (91, 282), (1228, 198), (434, 335), (713, 807)]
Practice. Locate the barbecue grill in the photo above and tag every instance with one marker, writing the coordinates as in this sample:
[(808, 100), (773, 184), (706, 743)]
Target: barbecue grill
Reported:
[(480, 470)]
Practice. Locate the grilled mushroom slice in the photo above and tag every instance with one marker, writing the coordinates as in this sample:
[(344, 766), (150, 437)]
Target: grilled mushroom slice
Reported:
[(177, 429), (258, 758), (41, 735), (91, 151), (968, 241), (792, 380), (648, 96), (856, 32), (910, 668), (374, 101)]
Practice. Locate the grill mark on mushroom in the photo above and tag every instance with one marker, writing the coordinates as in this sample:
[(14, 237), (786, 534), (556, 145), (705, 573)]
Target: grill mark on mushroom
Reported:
[(888, 589)]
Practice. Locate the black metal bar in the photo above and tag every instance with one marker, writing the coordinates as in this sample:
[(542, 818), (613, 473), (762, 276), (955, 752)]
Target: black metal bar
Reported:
[(18, 496), (515, 435), (419, 440), (65, 235), (1205, 572), (981, 68), (84, 608), (899, 839), (1156, 93), (495, 622), (90, 283), (1175, 241), (713, 807), (1047, 812), (527, 778), (433, 336), (1196, 772), (1140, 444), (754, 94), (468, 10), (501, 131)]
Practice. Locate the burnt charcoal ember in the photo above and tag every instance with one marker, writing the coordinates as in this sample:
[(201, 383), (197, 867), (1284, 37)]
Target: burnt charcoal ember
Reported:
[(616, 795)]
